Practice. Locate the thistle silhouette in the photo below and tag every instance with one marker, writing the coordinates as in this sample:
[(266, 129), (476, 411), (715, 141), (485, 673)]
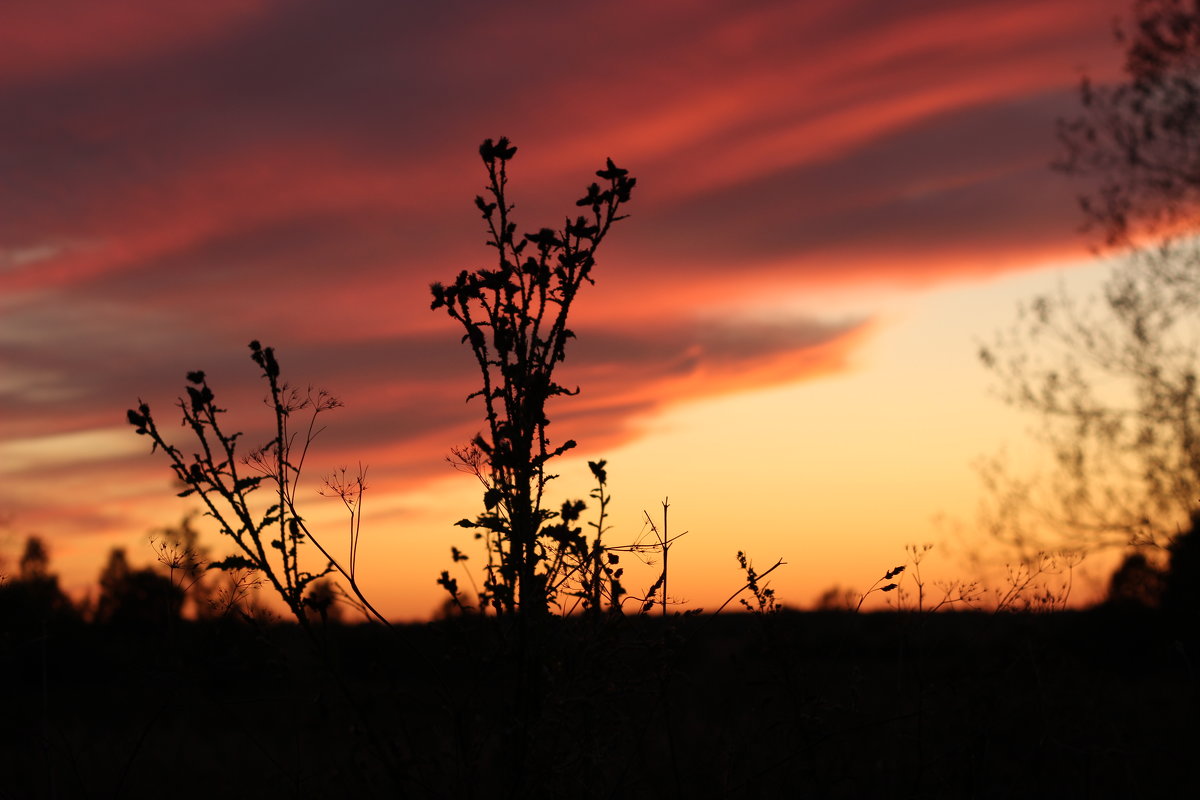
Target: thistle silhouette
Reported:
[(515, 321)]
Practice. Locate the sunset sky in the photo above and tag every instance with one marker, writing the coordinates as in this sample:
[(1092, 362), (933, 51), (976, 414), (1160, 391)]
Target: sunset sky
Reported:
[(836, 203)]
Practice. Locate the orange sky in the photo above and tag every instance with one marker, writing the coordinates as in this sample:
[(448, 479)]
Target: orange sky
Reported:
[(816, 184)]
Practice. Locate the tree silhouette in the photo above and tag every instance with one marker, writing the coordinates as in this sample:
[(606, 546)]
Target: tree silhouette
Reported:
[(1114, 379), (135, 596), (1136, 139), (35, 560), (515, 321), (1182, 578), (34, 596)]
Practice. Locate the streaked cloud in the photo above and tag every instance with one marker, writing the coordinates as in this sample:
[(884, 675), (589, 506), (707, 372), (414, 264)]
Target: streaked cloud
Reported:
[(46, 453), (175, 182)]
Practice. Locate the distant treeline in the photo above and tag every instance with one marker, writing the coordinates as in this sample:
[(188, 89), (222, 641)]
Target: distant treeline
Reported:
[(178, 586)]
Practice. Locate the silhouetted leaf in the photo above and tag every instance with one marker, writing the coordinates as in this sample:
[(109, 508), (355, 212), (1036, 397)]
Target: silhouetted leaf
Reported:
[(571, 510), (485, 207), (592, 198), (233, 562), (503, 150), (598, 471), (611, 171), (546, 238), (492, 498), (449, 583), (245, 484), (199, 397), (624, 189)]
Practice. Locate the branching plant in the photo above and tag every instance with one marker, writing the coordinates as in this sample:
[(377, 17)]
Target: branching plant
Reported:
[(761, 591), (954, 593), (269, 541), (1041, 583), (884, 584), (586, 575), (662, 544), (764, 597), (590, 572), (176, 550), (515, 321)]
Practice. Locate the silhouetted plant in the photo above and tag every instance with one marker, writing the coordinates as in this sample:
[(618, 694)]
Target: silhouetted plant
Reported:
[(884, 584), (589, 572), (515, 321), (1036, 583), (764, 596), (236, 595), (662, 544), (1042, 582), (177, 549), (268, 541), (600, 571), (593, 571), (652, 542), (953, 592)]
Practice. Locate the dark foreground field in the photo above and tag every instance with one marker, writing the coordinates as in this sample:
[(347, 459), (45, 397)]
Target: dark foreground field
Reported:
[(1088, 704)]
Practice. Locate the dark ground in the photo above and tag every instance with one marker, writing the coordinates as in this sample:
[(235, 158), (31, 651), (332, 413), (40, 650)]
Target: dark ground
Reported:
[(1071, 704)]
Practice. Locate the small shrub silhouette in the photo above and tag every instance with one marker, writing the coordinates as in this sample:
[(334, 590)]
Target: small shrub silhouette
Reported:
[(1136, 583), (515, 321)]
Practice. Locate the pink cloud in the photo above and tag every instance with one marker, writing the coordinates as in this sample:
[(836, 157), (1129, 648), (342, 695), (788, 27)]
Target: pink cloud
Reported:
[(51, 38), (173, 185)]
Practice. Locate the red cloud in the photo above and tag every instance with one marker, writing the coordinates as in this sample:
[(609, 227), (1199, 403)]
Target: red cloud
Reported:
[(175, 184), (54, 38)]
